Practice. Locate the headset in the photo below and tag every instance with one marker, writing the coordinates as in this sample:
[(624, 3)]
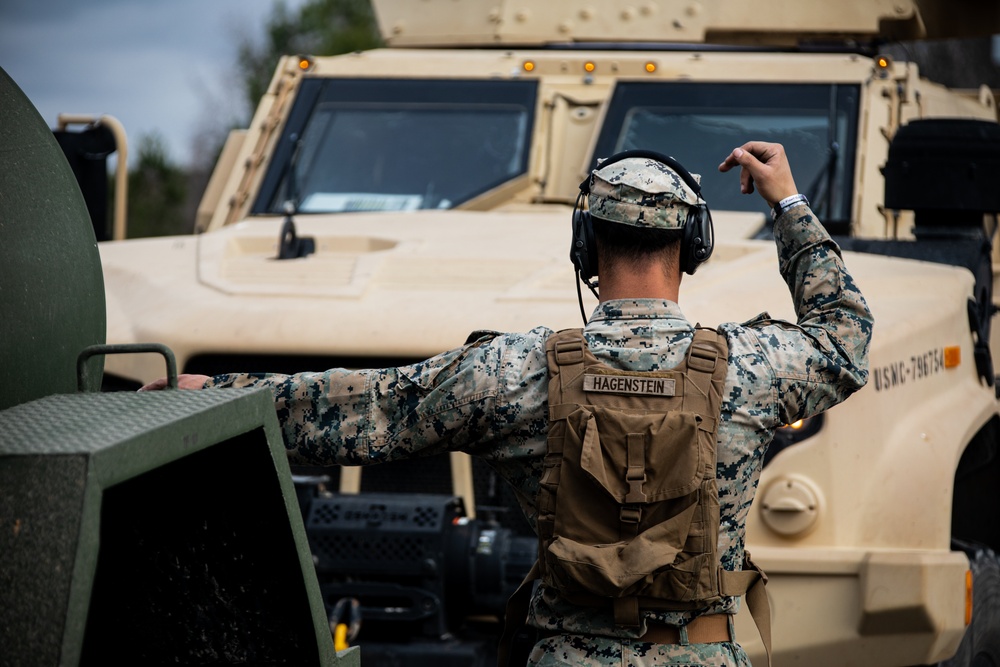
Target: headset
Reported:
[(697, 242)]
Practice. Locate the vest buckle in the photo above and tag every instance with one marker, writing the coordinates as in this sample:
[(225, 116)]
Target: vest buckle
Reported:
[(630, 514), (703, 357), (569, 352), (635, 479)]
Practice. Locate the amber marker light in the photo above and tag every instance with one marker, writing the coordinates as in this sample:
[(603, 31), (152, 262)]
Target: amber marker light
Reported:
[(968, 597), (650, 67), (589, 66), (529, 66), (882, 65), (952, 356), (305, 63)]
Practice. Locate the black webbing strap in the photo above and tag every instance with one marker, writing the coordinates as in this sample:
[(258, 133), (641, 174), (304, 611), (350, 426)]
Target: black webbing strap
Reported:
[(515, 616), (626, 611)]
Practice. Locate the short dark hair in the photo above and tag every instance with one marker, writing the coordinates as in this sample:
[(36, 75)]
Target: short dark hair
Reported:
[(618, 243)]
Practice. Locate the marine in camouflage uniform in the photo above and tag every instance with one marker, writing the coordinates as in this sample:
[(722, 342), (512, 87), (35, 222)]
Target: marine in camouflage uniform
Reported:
[(489, 398)]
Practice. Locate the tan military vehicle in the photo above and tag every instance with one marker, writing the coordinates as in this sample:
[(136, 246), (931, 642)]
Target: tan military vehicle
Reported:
[(383, 205)]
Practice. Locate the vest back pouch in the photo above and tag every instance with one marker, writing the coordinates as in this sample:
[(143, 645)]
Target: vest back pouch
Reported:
[(628, 502)]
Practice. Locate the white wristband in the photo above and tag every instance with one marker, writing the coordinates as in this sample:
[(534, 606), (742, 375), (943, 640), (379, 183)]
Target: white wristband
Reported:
[(787, 203)]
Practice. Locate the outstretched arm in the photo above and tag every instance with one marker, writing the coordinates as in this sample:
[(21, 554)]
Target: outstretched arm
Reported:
[(369, 416)]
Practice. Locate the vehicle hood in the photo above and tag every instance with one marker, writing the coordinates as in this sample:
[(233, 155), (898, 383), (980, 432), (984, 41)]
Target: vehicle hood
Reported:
[(413, 285)]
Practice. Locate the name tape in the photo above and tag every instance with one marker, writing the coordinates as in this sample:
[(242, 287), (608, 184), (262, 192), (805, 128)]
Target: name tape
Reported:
[(629, 384)]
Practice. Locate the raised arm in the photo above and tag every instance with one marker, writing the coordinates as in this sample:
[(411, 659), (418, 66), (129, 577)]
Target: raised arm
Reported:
[(823, 358)]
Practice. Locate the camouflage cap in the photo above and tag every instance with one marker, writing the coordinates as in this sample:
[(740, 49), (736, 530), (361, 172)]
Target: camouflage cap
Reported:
[(641, 192)]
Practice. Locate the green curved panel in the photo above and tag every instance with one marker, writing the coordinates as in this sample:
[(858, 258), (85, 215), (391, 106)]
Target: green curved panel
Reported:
[(51, 286)]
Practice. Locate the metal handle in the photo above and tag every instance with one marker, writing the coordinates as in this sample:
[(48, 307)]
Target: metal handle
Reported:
[(125, 348)]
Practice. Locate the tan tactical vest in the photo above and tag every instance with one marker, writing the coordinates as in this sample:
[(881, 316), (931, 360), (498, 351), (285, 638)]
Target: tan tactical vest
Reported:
[(628, 507), (628, 504)]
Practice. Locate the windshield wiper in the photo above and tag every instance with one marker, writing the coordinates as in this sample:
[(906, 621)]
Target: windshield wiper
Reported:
[(823, 183)]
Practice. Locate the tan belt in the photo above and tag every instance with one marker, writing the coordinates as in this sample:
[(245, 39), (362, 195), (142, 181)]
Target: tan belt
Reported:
[(702, 630)]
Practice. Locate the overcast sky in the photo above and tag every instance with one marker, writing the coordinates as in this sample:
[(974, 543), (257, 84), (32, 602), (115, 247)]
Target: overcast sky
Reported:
[(163, 67)]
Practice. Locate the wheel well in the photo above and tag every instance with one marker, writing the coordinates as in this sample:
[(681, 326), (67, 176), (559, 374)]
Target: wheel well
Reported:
[(974, 515)]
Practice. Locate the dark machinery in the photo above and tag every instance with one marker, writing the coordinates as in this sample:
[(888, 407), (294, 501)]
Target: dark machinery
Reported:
[(430, 583)]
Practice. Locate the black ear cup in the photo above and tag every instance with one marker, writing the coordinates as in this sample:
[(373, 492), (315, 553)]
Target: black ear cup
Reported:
[(583, 251), (697, 242)]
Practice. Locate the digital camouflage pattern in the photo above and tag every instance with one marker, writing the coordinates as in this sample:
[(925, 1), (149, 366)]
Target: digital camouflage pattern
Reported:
[(489, 399), (585, 651), (641, 192)]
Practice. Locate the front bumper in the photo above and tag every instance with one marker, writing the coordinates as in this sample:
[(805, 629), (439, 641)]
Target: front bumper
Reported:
[(853, 607)]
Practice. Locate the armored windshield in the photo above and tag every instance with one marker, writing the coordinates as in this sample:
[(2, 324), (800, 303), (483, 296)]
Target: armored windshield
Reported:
[(700, 123), (394, 144)]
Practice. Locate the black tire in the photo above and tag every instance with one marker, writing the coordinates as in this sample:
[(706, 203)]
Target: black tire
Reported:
[(980, 646)]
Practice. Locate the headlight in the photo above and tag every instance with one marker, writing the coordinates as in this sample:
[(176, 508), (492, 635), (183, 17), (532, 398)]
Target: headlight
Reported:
[(793, 434)]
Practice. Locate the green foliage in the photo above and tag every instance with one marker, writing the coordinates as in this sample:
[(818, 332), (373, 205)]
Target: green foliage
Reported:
[(319, 27), (157, 192), (163, 198)]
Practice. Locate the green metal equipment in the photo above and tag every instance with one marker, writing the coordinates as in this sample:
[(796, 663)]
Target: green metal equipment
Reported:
[(51, 286), (135, 528), (153, 527)]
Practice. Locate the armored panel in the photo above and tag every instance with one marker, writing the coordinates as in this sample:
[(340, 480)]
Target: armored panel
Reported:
[(515, 22), (153, 528), (944, 164)]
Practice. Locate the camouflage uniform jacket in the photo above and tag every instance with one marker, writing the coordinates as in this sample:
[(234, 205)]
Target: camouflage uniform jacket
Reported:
[(489, 398)]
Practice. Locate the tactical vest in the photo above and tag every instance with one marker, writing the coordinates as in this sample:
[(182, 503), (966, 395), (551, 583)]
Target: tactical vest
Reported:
[(628, 507), (628, 503)]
